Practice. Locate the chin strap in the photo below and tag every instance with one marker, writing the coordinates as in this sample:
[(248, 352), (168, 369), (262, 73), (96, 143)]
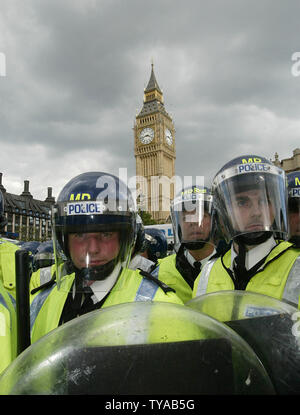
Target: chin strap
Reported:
[(194, 246), (98, 273)]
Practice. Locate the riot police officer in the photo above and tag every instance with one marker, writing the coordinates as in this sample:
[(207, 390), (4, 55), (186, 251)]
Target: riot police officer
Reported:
[(191, 213), (94, 231), (250, 198)]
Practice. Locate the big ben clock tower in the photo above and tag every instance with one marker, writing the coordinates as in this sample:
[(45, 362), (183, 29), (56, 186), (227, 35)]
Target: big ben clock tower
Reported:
[(154, 150)]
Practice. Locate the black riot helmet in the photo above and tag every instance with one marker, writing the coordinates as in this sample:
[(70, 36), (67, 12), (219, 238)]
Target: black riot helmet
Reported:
[(253, 183), (191, 213), (44, 255), (156, 244), (94, 203)]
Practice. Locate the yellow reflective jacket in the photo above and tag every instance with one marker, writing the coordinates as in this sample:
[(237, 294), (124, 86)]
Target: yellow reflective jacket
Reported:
[(279, 277), (169, 274), (8, 335), (47, 305), (7, 266)]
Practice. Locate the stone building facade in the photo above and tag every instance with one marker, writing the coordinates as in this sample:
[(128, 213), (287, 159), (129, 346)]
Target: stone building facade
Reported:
[(289, 164), (27, 218)]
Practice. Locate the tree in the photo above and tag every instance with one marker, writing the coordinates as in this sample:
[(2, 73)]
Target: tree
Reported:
[(146, 218)]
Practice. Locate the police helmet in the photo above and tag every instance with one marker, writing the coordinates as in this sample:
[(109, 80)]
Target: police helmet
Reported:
[(44, 256), (3, 220), (30, 246), (293, 180), (94, 202), (191, 214), (231, 187), (156, 244), (140, 242)]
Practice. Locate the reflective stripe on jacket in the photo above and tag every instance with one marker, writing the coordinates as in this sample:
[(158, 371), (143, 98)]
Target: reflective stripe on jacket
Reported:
[(47, 304), (278, 277)]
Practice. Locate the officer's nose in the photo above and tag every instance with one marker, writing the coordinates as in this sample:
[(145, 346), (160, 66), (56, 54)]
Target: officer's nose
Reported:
[(256, 209), (93, 246)]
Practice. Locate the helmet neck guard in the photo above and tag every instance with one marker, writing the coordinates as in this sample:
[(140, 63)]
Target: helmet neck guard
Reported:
[(98, 273)]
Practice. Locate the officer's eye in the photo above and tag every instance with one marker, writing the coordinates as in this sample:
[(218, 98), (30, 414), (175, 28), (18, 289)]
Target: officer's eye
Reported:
[(78, 235), (107, 235), (242, 202)]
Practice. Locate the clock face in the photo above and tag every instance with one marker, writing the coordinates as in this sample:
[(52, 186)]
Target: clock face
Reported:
[(147, 135), (169, 138)]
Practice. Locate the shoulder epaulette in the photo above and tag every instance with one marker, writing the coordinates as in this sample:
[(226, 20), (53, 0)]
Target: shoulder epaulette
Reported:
[(153, 278)]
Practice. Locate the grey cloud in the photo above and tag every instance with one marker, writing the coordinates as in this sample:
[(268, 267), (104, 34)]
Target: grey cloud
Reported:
[(77, 69)]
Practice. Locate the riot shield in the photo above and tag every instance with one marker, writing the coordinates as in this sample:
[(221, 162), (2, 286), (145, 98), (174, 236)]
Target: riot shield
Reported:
[(138, 348), (268, 325)]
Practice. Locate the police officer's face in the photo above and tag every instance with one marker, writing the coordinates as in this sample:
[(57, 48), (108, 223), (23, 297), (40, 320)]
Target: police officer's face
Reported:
[(93, 249), (252, 211), (194, 227)]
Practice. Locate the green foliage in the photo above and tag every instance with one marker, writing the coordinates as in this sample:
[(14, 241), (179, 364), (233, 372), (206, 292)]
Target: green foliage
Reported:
[(146, 218)]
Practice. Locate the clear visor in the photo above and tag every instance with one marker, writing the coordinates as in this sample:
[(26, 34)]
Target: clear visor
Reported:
[(192, 219), (294, 213), (252, 203), (95, 253)]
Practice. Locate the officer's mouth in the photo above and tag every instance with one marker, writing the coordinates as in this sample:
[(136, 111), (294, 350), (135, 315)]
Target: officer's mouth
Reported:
[(96, 263), (196, 235), (253, 227)]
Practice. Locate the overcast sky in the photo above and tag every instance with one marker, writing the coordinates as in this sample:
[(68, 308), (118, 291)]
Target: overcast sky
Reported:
[(76, 71)]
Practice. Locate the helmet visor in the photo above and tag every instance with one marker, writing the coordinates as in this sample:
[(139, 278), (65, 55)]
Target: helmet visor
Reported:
[(192, 218), (95, 247), (251, 199)]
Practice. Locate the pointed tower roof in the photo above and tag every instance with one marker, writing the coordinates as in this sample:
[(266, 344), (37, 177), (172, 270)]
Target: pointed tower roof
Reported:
[(152, 84), (153, 98)]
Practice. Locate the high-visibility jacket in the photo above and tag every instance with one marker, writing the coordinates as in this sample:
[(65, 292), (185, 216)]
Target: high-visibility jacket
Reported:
[(169, 274), (279, 276), (7, 266), (8, 335), (41, 277), (47, 304)]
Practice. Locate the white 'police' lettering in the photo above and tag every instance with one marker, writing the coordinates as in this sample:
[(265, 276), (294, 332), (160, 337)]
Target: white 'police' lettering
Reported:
[(246, 168), (296, 192), (85, 208)]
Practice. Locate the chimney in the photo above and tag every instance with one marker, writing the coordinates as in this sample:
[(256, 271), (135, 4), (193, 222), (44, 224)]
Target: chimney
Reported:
[(26, 191), (50, 198)]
